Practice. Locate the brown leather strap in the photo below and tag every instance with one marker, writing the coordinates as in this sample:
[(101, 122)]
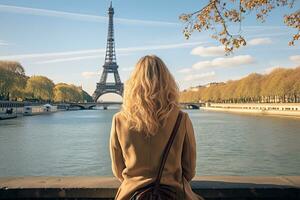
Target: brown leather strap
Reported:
[(167, 149)]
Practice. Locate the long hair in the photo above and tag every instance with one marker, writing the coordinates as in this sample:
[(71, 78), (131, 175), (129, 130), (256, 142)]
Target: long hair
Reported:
[(150, 95)]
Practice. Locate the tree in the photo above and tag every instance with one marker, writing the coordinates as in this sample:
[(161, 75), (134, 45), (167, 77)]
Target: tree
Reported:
[(228, 93), (293, 85), (12, 80), (189, 96), (12, 66), (40, 87), (248, 88), (70, 93), (217, 15), (6, 83), (269, 87)]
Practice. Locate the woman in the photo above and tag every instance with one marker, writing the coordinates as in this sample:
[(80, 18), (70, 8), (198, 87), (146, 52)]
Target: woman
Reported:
[(141, 130)]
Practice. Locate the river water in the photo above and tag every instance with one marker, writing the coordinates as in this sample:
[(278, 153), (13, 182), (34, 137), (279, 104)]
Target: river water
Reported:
[(76, 143)]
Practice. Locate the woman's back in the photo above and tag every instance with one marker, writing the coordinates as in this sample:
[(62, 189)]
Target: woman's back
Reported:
[(141, 130), (136, 157)]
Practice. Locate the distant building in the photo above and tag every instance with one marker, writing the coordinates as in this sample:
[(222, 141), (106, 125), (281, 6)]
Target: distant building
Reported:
[(213, 83), (197, 88), (194, 89)]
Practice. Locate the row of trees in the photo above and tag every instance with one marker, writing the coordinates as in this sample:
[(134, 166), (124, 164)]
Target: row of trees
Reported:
[(281, 85), (15, 85)]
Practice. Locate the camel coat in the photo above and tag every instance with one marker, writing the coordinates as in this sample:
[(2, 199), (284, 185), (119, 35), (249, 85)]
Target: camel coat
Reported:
[(136, 158)]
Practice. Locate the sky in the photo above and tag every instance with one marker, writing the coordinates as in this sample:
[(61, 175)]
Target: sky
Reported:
[(65, 40)]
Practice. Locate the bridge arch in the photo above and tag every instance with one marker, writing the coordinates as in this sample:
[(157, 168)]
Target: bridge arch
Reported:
[(192, 106), (77, 105), (109, 96)]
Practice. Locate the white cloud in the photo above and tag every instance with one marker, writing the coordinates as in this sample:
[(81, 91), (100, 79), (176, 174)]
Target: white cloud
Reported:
[(259, 41), (3, 43), (225, 62), (50, 55), (69, 59), (219, 50), (295, 59), (185, 70), (203, 64), (78, 16), (202, 76), (90, 53), (275, 33), (263, 28), (233, 61), (158, 47), (89, 74), (208, 51)]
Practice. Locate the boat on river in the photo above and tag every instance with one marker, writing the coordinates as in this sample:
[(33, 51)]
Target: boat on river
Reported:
[(7, 112), (38, 110)]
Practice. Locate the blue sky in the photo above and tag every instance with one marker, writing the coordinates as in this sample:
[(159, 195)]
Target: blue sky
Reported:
[(65, 40)]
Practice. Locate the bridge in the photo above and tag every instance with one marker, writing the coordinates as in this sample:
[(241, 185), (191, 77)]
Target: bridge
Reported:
[(106, 104), (91, 105), (191, 105)]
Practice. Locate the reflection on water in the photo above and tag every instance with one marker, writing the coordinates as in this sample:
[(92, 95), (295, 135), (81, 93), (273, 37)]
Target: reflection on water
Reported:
[(76, 143)]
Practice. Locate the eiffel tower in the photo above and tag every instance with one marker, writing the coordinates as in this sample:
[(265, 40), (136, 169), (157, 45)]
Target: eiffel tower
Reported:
[(110, 64)]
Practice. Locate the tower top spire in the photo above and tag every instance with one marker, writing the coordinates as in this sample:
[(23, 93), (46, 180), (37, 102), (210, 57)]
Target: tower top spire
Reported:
[(110, 9), (110, 56)]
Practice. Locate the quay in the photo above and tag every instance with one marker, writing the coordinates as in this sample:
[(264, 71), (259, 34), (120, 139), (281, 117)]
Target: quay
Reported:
[(280, 109), (13, 109), (18, 106), (210, 187)]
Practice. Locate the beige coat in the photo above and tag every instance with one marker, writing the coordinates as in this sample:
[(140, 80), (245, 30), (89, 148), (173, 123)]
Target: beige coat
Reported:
[(136, 158)]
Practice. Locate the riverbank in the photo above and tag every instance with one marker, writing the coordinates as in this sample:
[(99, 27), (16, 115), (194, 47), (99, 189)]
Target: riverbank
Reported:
[(272, 109), (14, 109), (210, 187)]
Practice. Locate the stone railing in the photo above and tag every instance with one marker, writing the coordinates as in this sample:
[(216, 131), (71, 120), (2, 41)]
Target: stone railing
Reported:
[(210, 187)]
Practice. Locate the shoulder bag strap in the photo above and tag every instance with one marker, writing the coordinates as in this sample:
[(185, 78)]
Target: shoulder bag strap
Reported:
[(167, 149)]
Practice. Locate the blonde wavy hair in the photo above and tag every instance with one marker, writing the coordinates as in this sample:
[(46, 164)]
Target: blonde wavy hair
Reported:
[(150, 95)]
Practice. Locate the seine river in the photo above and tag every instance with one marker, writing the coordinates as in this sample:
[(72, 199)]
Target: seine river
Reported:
[(75, 143)]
